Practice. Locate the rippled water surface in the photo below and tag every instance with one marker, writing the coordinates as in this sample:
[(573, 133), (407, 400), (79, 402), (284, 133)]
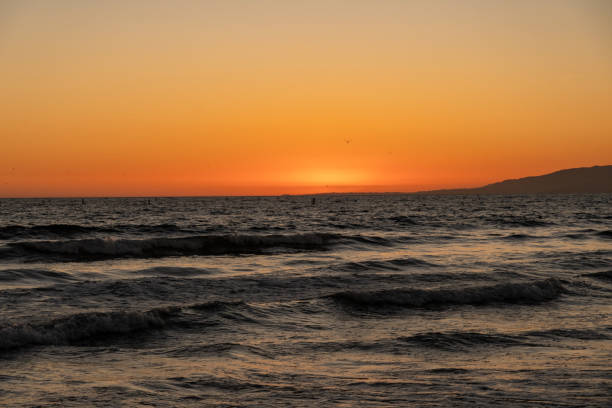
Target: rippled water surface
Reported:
[(353, 300)]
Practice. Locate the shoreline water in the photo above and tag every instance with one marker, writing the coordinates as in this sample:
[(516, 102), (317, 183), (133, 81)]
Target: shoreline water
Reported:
[(385, 300)]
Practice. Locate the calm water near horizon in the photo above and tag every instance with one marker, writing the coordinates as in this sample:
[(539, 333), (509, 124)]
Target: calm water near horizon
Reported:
[(357, 300)]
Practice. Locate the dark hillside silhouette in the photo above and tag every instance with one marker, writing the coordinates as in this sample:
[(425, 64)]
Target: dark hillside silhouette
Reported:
[(596, 179)]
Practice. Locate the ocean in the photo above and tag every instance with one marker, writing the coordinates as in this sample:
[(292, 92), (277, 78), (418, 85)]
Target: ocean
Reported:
[(331, 300)]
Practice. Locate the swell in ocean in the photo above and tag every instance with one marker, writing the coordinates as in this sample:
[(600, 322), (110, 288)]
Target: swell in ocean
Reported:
[(357, 300), (96, 248)]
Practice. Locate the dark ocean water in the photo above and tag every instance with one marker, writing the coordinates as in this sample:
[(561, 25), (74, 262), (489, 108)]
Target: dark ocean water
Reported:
[(384, 300)]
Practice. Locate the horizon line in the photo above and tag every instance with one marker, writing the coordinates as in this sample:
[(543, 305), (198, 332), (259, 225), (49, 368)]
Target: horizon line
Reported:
[(452, 190)]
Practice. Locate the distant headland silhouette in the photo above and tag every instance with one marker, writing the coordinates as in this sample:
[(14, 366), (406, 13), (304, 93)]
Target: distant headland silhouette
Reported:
[(596, 179)]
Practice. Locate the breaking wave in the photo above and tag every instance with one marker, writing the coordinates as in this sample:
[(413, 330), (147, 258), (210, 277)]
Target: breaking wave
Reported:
[(527, 292), (91, 249), (93, 326)]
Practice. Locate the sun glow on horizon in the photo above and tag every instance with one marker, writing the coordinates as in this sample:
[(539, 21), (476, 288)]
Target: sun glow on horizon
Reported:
[(328, 177)]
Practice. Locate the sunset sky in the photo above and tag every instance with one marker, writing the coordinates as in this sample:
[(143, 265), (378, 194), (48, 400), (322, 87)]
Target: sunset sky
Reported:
[(271, 97)]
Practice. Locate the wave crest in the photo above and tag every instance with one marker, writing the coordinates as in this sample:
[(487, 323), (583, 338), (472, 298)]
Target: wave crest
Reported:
[(81, 327), (88, 249), (527, 292)]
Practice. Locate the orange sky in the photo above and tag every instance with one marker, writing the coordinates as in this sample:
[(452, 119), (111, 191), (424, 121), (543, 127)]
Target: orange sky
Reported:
[(272, 97)]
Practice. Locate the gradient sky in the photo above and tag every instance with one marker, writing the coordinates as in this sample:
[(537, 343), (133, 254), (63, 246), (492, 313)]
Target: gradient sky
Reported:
[(271, 97)]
